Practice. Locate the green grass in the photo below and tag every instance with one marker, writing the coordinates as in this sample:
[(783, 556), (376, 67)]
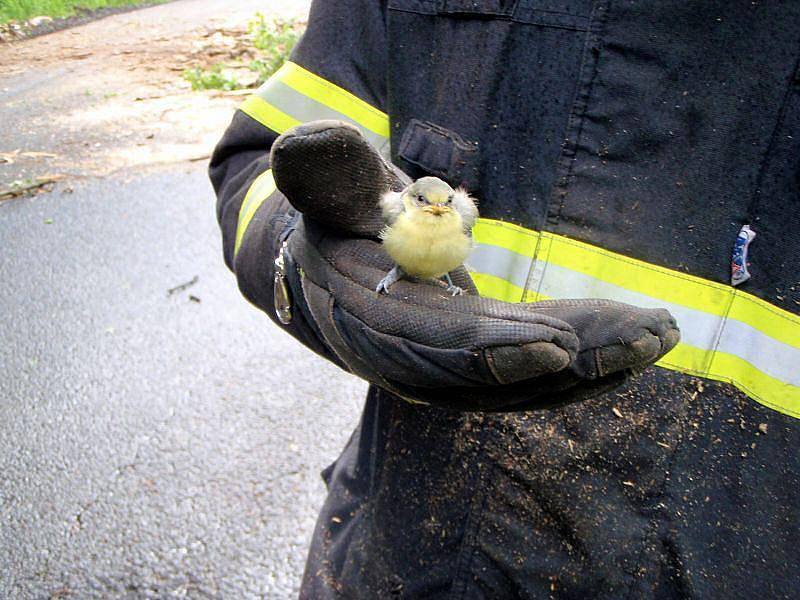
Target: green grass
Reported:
[(273, 40), (211, 79), (21, 10)]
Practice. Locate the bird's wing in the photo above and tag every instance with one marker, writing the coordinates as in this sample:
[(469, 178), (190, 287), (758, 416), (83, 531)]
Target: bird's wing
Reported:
[(465, 205), (392, 206)]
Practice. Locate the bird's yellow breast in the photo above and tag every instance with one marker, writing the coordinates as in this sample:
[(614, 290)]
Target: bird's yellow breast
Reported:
[(425, 245)]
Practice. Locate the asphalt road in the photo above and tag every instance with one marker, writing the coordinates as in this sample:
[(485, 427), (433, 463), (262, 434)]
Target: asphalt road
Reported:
[(151, 445)]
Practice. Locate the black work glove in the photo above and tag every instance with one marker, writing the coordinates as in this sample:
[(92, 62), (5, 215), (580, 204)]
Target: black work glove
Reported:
[(463, 352)]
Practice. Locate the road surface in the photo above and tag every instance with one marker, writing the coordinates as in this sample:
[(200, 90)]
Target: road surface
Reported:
[(152, 445)]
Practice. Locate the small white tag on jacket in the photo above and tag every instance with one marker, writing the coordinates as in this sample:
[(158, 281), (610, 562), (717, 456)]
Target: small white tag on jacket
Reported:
[(739, 271)]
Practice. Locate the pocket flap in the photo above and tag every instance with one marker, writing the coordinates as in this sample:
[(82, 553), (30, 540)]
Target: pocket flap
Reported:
[(566, 14), (474, 7), (439, 151)]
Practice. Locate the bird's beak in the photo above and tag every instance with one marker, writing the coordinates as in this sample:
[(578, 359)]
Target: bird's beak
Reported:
[(436, 210)]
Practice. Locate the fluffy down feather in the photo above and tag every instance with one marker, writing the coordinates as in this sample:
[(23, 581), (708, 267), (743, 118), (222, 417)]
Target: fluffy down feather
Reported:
[(391, 204), (465, 205)]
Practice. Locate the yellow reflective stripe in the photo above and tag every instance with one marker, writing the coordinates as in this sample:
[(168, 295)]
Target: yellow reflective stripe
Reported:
[(715, 315), (262, 188), (506, 235), (748, 379), (294, 95), (645, 278), (490, 286), (765, 317), (688, 359), (267, 115), (332, 96), (729, 335), (769, 391), (671, 286), (637, 275)]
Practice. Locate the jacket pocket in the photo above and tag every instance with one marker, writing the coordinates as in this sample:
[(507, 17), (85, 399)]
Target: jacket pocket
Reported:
[(479, 96), (433, 150), (565, 14)]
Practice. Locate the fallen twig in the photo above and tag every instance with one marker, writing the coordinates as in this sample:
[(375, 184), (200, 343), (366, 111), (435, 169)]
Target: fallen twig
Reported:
[(39, 155), (22, 188), (8, 157), (183, 286)]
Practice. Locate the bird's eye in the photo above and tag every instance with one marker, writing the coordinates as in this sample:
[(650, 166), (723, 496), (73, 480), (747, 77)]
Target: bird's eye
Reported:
[(421, 199), (449, 199)]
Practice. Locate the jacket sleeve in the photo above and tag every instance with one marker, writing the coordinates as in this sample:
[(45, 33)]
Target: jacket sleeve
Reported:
[(339, 60)]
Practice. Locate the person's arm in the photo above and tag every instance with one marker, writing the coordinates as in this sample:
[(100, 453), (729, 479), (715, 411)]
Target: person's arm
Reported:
[(340, 52)]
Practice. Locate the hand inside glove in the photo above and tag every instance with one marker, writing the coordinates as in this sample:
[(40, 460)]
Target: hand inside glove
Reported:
[(418, 341)]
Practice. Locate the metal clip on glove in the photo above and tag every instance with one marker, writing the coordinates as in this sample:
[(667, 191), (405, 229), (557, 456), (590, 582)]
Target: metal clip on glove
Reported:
[(417, 341)]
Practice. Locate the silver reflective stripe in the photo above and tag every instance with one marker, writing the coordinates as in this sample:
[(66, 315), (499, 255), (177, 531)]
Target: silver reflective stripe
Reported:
[(513, 267), (305, 109), (698, 329), (701, 329), (767, 354)]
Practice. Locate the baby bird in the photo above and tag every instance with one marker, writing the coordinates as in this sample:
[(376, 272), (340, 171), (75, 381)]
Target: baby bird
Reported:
[(428, 231)]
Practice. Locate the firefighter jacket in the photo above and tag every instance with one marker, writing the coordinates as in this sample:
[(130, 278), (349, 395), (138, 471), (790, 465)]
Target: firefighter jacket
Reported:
[(617, 148)]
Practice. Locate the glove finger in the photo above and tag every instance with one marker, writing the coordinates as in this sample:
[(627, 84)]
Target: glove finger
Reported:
[(614, 336), (389, 360), (399, 358), (331, 173), (646, 350), (594, 372)]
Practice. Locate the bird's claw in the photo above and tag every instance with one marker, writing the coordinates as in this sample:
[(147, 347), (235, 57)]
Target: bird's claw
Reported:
[(391, 278), (451, 288), (383, 285)]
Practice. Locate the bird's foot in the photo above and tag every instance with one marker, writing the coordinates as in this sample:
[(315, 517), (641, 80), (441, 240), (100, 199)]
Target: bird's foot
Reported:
[(392, 277), (452, 288)]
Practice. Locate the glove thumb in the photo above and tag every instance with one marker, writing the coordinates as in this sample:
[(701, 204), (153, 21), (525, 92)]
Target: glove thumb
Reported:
[(332, 174)]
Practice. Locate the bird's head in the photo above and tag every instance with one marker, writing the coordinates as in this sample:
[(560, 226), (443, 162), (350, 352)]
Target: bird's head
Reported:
[(430, 195)]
